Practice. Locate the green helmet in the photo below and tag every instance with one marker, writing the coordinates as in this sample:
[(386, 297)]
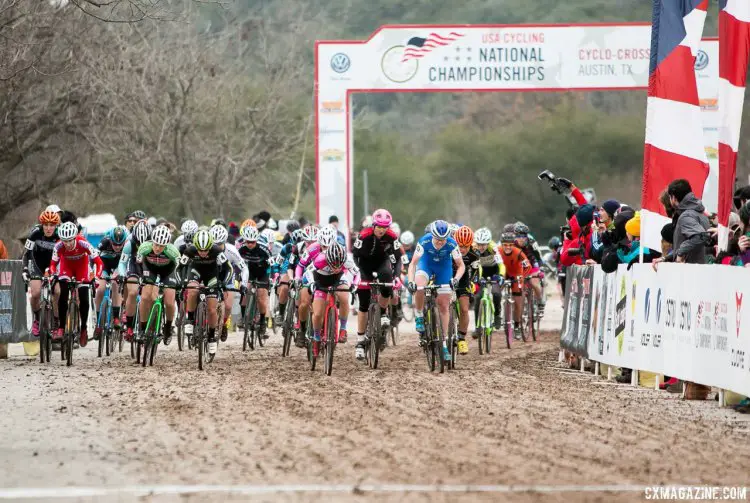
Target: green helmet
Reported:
[(202, 240)]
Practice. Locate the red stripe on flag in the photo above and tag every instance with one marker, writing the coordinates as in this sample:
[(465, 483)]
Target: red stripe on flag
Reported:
[(727, 172), (734, 49), (441, 37), (674, 78), (703, 5), (661, 167)]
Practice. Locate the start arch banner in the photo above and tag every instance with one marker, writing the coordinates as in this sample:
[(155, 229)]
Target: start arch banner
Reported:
[(460, 58)]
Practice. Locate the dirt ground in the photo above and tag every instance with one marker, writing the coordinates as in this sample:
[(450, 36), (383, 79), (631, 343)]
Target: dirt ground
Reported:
[(255, 422)]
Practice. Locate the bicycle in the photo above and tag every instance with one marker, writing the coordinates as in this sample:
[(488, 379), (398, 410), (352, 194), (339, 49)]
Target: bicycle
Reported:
[(330, 332), (486, 319), (251, 325), (530, 319), (156, 318), (104, 325), (287, 326), (201, 327), (135, 343), (273, 302), (45, 319), (455, 315), (375, 336), (182, 337), (72, 322), (434, 341)]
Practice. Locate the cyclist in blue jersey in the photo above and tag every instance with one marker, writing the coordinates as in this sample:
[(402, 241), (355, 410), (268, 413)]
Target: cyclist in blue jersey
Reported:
[(435, 254)]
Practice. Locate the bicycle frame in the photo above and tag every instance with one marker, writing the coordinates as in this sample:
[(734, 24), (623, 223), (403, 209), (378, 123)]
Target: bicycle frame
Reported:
[(105, 311), (374, 328), (330, 330), (45, 322), (435, 341)]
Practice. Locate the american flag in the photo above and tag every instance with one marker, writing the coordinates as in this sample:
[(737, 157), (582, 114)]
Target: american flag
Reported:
[(734, 48), (674, 131), (418, 47)]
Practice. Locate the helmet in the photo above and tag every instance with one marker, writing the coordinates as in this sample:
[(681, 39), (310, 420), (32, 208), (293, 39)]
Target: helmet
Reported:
[(272, 224), (396, 229), (67, 231), (152, 221), (297, 235), (49, 217), (218, 233), (203, 240), (367, 221), (440, 229), (250, 233), (161, 235), (269, 235), (140, 215), (53, 207), (382, 218), (507, 237), (521, 229), (452, 228), (464, 236), (249, 222), (509, 228), (311, 233), (142, 231), (554, 243), (327, 236), (219, 221), (189, 227), (407, 238), (119, 235), (292, 226), (336, 256), (483, 236)]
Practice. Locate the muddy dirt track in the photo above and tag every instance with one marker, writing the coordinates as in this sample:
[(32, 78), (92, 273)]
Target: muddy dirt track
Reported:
[(255, 419)]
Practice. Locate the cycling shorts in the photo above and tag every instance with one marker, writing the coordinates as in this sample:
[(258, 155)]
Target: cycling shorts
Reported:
[(442, 271)]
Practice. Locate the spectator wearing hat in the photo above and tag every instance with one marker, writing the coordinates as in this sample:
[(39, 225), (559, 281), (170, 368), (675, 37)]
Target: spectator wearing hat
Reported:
[(261, 220), (633, 254), (3, 251), (607, 213), (667, 237), (620, 243)]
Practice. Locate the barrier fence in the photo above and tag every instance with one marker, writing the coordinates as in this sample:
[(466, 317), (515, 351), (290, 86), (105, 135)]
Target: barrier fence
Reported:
[(14, 310), (684, 320)]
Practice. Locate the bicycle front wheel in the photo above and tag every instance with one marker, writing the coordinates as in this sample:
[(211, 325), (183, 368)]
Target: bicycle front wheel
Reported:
[(437, 330), (373, 335), (429, 347), (508, 312), (330, 342)]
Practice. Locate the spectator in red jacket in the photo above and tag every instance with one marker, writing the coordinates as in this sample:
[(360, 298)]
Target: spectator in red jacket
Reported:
[(577, 246)]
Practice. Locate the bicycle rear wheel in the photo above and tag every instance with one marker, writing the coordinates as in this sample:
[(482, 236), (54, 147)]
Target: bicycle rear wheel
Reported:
[(179, 319), (249, 337), (147, 346), (330, 342), (287, 329)]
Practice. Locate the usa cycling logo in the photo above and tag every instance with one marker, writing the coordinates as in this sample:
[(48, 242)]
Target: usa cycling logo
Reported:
[(340, 63), (701, 60)]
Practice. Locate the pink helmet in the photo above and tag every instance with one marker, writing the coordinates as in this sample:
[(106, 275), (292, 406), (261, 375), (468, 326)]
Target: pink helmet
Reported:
[(382, 218)]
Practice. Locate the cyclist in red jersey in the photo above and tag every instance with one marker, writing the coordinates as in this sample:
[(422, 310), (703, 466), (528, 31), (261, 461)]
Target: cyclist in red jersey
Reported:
[(70, 260)]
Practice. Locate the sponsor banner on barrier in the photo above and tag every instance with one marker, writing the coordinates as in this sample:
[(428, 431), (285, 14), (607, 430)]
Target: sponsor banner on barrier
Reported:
[(687, 321), (13, 325)]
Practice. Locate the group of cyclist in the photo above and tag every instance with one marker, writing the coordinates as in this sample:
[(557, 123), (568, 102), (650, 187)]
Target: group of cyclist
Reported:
[(142, 256)]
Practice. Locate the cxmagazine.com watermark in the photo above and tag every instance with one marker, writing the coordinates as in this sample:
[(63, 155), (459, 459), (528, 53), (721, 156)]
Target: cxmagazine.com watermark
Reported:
[(696, 493)]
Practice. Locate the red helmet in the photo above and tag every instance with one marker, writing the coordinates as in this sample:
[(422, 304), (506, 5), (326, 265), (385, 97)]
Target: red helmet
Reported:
[(382, 218), (464, 236)]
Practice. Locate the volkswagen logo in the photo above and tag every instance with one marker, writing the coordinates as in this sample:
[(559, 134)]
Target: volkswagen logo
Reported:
[(340, 62), (701, 60)]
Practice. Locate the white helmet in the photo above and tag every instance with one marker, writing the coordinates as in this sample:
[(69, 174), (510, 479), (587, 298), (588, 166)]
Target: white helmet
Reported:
[(67, 231), (327, 236), (483, 236), (142, 231), (218, 233), (311, 233), (250, 233), (367, 222), (161, 235), (269, 235), (396, 228), (407, 238), (189, 227)]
